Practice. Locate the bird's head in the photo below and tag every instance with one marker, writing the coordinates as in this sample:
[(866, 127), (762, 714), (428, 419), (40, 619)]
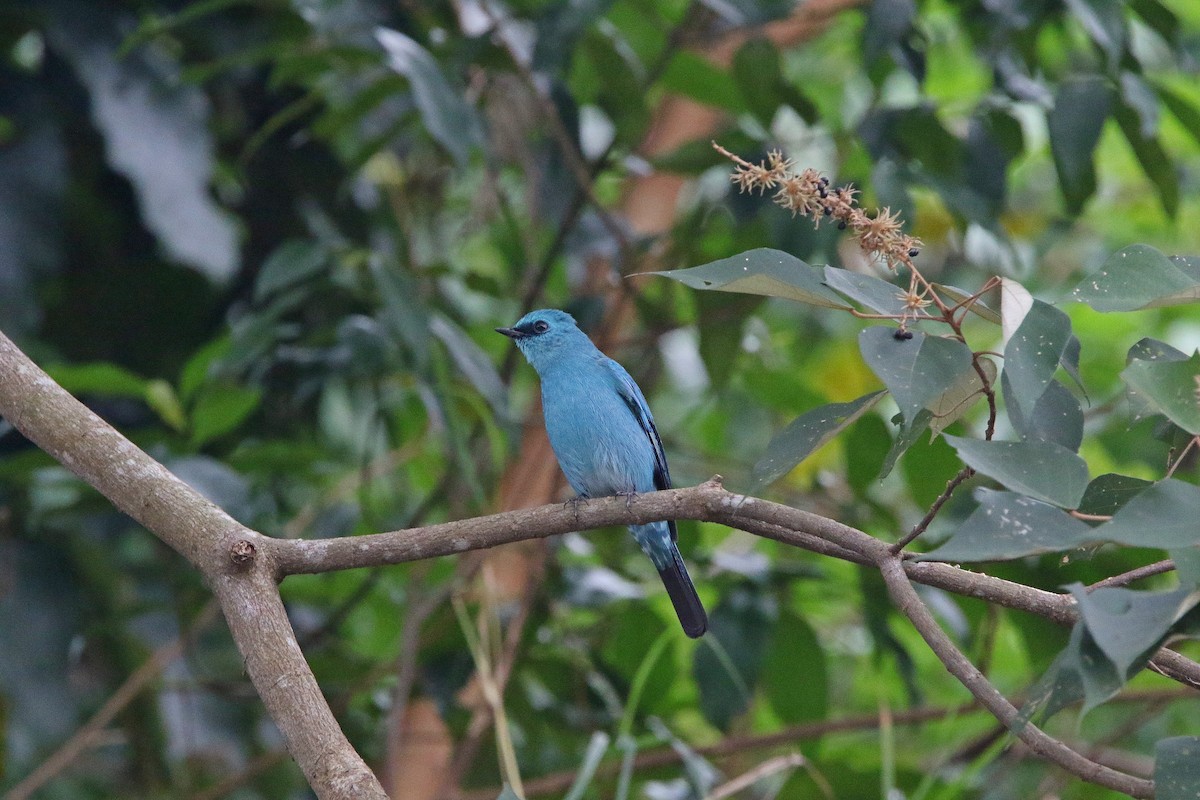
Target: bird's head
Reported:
[(547, 334)]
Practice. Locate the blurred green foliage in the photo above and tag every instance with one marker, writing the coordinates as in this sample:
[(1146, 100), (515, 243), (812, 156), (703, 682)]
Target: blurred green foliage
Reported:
[(269, 242)]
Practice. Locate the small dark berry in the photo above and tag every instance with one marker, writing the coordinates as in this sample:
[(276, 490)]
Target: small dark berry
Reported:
[(903, 335), (914, 253), (828, 211), (842, 225), (824, 181)]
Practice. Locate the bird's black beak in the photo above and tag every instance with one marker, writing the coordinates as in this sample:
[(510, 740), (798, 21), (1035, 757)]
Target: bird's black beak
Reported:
[(512, 333)]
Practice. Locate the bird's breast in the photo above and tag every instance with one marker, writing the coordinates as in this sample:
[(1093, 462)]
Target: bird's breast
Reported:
[(599, 444)]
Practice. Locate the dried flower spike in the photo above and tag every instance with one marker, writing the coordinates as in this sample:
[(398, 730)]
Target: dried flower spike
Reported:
[(808, 194)]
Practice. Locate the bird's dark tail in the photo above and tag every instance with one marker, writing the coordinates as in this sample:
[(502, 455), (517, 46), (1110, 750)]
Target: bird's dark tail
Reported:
[(683, 596)]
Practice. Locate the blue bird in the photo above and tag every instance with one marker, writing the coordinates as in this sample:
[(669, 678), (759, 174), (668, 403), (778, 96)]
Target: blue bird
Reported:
[(604, 437)]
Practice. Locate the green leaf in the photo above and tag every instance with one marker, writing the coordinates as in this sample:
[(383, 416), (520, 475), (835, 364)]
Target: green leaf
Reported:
[(1009, 525), (727, 664), (806, 433), (161, 397), (721, 336), (927, 466), (795, 650), (694, 76), (870, 441), (1127, 625), (888, 22), (1140, 276), (906, 437), (916, 371), (1142, 100), (1155, 161), (219, 409), (1187, 564), (446, 114), (292, 262), (1033, 354), (98, 378), (1161, 19), (1043, 470), (1153, 350), (1081, 672), (1075, 123), (1187, 114), (403, 312), (472, 362), (1104, 21), (762, 84), (559, 30), (872, 293), (956, 401), (199, 368), (1108, 493), (1171, 388), (1056, 416), (1163, 515), (1177, 768), (634, 634), (1149, 350), (771, 273)]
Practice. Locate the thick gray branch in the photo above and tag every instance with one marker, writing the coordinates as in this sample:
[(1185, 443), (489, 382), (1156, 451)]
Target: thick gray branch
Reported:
[(708, 502), (229, 554)]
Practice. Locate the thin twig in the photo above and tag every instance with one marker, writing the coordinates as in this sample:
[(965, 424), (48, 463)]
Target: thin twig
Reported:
[(257, 766), (1077, 514), (1179, 459), (788, 761), (738, 744), (122, 697), (484, 715), (910, 603), (1137, 574), (963, 474)]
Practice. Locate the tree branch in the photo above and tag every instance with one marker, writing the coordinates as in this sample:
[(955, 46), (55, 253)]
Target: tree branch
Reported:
[(230, 556), (906, 599), (243, 568)]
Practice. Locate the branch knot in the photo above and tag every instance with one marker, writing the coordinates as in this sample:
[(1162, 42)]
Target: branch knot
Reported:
[(242, 553)]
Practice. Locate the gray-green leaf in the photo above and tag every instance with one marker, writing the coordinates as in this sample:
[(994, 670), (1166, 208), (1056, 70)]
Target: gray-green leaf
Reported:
[(806, 433), (1075, 123), (1033, 353), (1043, 470), (1140, 276), (1171, 388), (1009, 525), (1177, 768), (872, 293), (1163, 515), (1126, 624), (447, 116), (763, 271), (916, 371)]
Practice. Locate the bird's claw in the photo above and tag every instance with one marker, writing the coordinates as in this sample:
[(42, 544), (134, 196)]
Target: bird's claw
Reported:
[(629, 498), (574, 505)]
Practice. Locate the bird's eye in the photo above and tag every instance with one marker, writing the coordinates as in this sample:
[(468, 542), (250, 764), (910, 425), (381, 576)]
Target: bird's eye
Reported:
[(541, 326)]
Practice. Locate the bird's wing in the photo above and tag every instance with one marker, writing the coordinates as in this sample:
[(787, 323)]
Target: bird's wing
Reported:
[(636, 402)]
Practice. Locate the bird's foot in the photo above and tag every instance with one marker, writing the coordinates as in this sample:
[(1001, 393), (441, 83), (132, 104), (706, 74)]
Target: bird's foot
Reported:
[(629, 498), (574, 503)]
